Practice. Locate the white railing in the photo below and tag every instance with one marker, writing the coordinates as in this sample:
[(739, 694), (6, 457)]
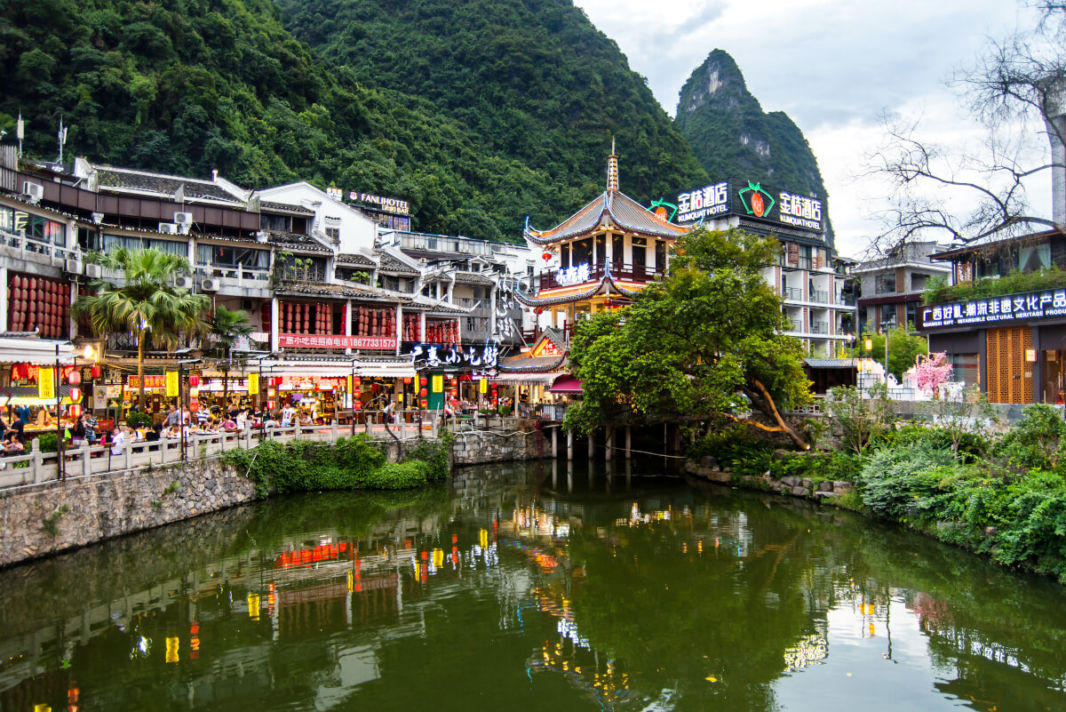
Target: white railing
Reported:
[(239, 276), (85, 460), (17, 245)]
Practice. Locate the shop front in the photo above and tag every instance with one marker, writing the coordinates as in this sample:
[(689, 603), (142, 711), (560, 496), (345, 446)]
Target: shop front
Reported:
[(1013, 346)]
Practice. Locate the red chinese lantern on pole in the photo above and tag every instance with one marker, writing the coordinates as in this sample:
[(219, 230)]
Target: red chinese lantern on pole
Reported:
[(75, 394), (74, 378), (423, 381), (96, 371), (194, 380)]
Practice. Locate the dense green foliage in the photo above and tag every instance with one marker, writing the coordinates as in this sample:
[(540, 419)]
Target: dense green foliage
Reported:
[(478, 113), (704, 344), (733, 138), (939, 292), (350, 463), (1001, 495)]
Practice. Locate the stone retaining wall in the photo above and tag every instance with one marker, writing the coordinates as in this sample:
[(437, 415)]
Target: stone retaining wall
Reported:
[(480, 446), (44, 519), (794, 486)]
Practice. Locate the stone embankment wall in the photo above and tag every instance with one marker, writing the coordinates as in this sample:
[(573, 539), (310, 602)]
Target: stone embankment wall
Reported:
[(805, 487), (44, 519), (475, 447)]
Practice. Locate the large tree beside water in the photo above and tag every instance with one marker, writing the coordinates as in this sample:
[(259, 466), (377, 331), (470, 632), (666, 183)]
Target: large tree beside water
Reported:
[(704, 346)]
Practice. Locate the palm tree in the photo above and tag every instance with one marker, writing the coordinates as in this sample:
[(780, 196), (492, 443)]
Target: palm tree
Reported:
[(148, 305), (226, 327)]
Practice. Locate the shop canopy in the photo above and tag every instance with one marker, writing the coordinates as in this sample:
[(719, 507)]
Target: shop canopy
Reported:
[(537, 379), (566, 384), (39, 352), (332, 369)]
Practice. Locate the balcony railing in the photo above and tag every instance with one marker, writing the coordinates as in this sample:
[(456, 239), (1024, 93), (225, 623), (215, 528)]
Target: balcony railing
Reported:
[(819, 327), (820, 296), (237, 276), (794, 293), (797, 324), (628, 272)]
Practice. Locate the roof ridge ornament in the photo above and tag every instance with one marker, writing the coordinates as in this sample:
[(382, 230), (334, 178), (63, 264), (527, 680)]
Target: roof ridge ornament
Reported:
[(612, 170)]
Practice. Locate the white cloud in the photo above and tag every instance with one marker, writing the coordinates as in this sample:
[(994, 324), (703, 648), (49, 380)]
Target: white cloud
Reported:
[(835, 66)]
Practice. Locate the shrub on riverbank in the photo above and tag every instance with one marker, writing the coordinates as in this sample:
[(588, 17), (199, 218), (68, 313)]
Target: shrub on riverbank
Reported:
[(350, 463), (1000, 495)]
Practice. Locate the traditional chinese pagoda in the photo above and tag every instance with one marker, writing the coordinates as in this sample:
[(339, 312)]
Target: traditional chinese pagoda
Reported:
[(600, 256)]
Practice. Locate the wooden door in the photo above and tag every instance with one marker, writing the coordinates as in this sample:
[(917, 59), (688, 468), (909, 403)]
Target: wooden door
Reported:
[(1010, 376)]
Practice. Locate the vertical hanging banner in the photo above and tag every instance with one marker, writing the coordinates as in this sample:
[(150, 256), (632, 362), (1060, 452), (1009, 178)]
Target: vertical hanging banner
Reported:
[(483, 385), (172, 384), (253, 384), (438, 383), (46, 385)]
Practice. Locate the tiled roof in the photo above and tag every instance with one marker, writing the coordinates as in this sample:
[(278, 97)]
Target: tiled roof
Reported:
[(285, 207), (531, 364), (125, 178), (351, 258), (295, 242), (623, 211), (388, 263), (472, 278), (339, 291)]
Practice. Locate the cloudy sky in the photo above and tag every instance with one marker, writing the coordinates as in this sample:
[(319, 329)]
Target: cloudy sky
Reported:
[(837, 67)]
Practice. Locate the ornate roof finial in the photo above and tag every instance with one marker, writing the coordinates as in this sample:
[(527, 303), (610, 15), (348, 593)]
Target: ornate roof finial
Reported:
[(612, 170)]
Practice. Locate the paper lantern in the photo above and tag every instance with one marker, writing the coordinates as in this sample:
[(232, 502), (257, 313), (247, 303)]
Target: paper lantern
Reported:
[(407, 381), (75, 394), (423, 381), (194, 406), (74, 411), (538, 310), (455, 380), (96, 371), (74, 378), (423, 393), (546, 256), (425, 403), (194, 380), (270, 405)]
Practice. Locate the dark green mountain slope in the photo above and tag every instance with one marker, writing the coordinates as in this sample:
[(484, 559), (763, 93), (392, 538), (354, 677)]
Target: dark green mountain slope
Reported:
[(532, 79), (185, 86), (733, 138)]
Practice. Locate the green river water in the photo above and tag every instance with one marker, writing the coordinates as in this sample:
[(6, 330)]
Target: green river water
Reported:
[(533, 587)]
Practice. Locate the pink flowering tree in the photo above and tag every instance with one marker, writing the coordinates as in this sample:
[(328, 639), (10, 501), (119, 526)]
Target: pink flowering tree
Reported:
[(932, 371)]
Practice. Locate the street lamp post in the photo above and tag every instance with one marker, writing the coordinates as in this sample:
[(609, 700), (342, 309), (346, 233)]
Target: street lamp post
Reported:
[(884, 327)]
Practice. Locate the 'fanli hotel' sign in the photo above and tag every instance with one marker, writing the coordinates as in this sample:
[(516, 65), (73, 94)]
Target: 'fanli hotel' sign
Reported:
[(1045, 304)]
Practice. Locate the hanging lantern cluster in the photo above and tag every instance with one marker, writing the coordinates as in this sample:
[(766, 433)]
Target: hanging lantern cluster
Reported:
[(38, 303)]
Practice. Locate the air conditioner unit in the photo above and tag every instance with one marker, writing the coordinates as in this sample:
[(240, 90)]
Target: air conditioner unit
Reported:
[(183, 282), (72, 266), (94, 271), (168, 228), (262, 236), (33, 191), (209, 285), (183, 218), (98, 218)]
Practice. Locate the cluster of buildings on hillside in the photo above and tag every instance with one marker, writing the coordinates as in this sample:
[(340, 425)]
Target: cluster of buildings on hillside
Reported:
[(349, 308)]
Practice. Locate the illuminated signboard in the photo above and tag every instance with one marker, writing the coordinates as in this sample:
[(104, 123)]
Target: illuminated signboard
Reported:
[(1045, 304), (750, 199), (578, 274), (314, 341), (392, 205)]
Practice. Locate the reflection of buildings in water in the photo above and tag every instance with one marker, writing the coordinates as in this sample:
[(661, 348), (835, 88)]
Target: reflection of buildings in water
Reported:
[(811, 649)]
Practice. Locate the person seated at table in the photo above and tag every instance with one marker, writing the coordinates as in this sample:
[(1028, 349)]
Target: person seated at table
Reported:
[(229, 425), (12, 444), (305, 419)]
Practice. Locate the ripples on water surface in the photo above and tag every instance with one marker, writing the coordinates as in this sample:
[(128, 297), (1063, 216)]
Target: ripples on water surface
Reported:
[(525, 587)]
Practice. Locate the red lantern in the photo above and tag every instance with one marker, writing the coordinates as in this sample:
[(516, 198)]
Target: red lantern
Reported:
[(455, 380), (75, 411), (270, 405), (538, 310), (546, 256), (423, 393), (425, 403), (423, 381), (357, 381), (194, 406), (96, 371), (75, 394), (74, 378), (194, 380), (407, 381)]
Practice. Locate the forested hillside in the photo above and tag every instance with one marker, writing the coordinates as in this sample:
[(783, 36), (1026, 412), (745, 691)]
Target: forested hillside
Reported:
[(479, 113), (733, 138)]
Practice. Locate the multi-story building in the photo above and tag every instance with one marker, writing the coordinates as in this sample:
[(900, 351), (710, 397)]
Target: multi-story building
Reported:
[(324, 301), (805, 276), (891, 287)]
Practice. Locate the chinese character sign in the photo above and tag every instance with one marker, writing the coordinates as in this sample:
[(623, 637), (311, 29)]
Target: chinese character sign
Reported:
[(453, 357), (573, 275), (1045, 304)]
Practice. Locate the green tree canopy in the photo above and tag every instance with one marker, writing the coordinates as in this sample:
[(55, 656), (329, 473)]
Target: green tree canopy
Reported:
[(704, 345)]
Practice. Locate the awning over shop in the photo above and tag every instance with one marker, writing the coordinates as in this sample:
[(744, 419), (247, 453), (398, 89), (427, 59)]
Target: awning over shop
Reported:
[(566, 384), (538, 379), (332, 369), (39, 352)]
